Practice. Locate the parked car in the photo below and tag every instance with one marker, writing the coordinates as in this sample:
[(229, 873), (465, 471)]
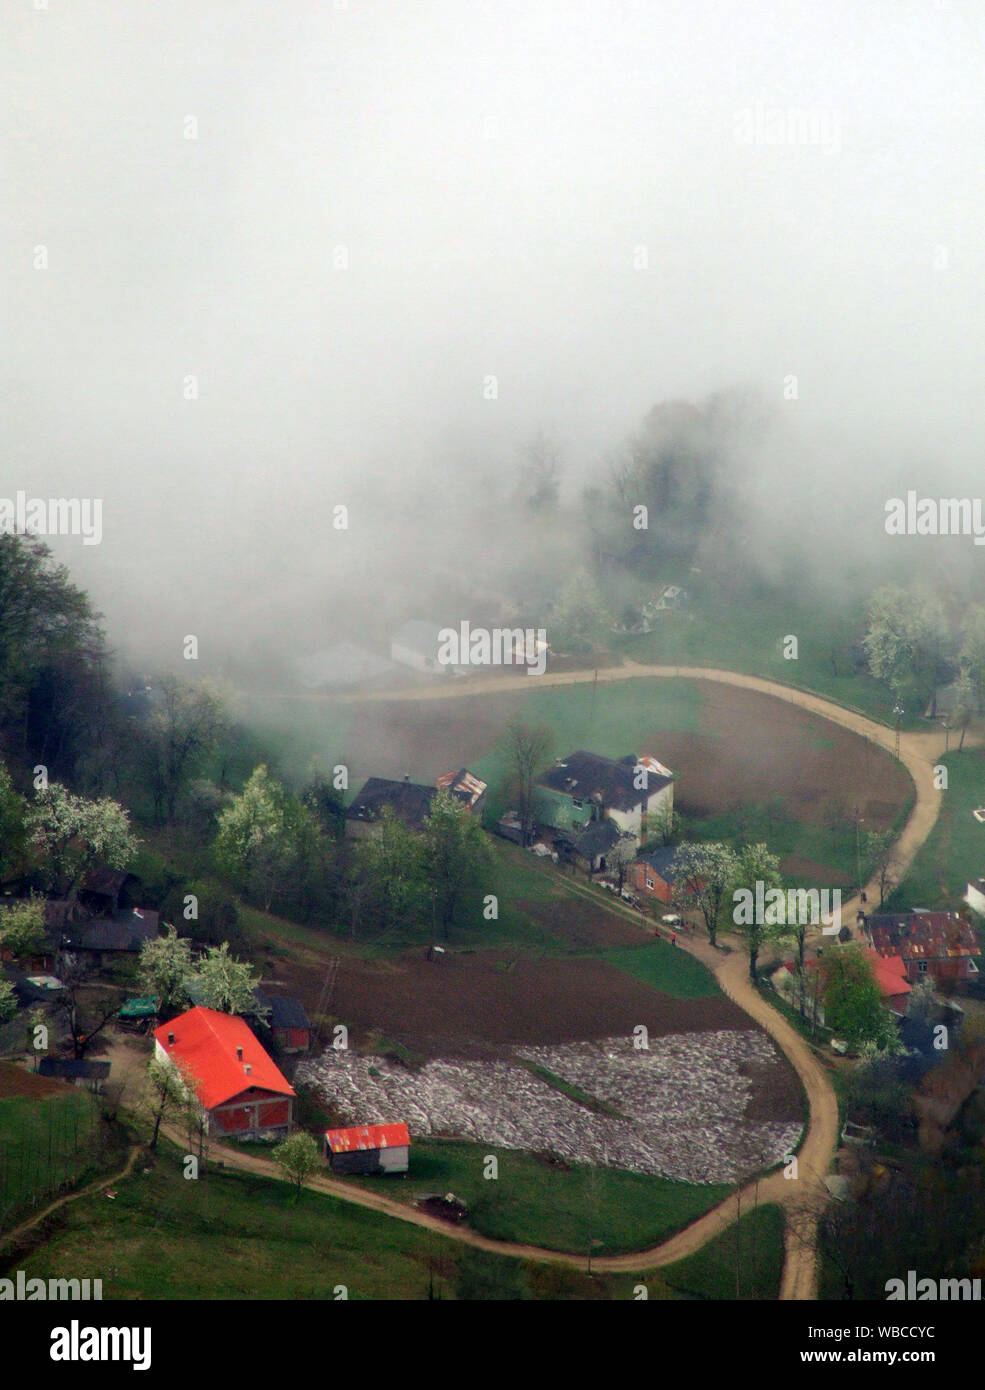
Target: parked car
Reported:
[(671, 920)]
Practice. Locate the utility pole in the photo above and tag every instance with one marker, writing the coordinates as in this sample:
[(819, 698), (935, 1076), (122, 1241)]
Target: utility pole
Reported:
[(858, 850), (898, 714)]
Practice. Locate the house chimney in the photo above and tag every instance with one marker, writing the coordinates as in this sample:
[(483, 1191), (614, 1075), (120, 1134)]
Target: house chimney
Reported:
[(406, 776), (170, 1040), (248, 1069), (239, 1054)]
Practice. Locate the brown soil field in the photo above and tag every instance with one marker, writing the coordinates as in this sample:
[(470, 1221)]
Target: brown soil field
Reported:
[(756, 749), (15, 1082), (581, 925)]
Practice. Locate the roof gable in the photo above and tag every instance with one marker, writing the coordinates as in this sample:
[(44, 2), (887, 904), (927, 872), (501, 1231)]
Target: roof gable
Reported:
[(205, 1045)]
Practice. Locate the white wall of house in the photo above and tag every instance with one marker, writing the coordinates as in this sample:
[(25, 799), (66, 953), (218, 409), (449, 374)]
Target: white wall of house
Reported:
[(975, 898), (409, 656), (395, 1158)]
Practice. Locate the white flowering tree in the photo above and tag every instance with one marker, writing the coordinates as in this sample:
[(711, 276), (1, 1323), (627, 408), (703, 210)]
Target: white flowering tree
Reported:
[(72, 834)]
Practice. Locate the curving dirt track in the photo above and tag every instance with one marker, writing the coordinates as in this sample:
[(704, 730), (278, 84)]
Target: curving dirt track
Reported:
[(804, 1195)]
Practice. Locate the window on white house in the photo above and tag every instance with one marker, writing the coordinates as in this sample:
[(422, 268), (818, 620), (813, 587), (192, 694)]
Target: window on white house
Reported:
[(649, 883)]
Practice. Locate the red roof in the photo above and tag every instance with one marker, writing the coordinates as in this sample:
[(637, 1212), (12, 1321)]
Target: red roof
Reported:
[(343, 1141), (207, 1045), (889, 971)]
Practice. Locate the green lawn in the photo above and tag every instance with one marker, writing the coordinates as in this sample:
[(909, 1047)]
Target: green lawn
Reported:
[(954, 853), (536, 1202), (229, 1236), (744, 630), (44, 1144), (663, 967), (754, 1247)]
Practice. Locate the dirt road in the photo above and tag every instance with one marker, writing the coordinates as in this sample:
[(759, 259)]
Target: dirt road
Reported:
[(805, 1193)]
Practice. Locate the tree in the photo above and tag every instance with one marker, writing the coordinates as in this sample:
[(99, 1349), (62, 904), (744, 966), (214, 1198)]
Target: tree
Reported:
[(972, 656), (224, 983), (853, 1007), (663, 828), (164, 968), (86, 1010), (902, 642), (754, 865), (704, 873), (392, 864), (8, 1000), (12, 808), (580, 619), (528, 750), (167, 1094), (52, 656), (72, 834), (22, 928), (183, 728), (540, 473), (623, 852), (298, 1155), (267, 838), (880, 852), (457, 857)]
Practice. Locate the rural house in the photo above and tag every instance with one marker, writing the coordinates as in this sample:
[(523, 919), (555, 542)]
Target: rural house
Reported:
[(122, 934), (464, 786), (92, 1076), (417, 645), (368, 1149), (585, 787), (939, 944), (652, 876), (239, 1087), (411, 801), (287, 1021)]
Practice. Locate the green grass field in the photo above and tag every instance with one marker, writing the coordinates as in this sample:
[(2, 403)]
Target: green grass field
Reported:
[(229, 1236), (536, 1202), (954, 853), (45, 1144)]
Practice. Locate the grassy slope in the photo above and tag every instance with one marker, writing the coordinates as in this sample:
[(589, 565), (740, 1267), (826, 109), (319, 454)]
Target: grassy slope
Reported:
[(43, 1144), (237, 1237), (954, 853), (562, 1209)]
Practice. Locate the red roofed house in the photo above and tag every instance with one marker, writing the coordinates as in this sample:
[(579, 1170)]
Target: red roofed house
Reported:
[(939, 944), (889, 972), (368, 1149), (238, 1085)]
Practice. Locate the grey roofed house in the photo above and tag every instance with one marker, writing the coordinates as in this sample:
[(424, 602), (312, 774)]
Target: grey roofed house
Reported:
[(70, 1069), (26, 987), (284, 1012), (411, 801), (126, 931), (341, 666), (613, 782), (663, 860)]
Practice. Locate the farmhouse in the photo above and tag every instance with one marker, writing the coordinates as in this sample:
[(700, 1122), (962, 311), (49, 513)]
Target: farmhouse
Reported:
[(653, 875), (239, 1087), (585, 787), (417, 645), (342, 667), (595, 845), (122, 934), (464, 786), (410, 801), (939, 944), (287, 1021), (89, 1075), (890, 976), (369, 1149)]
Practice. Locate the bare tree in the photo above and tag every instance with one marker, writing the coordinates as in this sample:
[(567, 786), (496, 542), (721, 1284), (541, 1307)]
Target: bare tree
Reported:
[(528, 749)]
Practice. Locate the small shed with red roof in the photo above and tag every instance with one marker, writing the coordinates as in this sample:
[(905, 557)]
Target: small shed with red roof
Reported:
[(238, 1085), (368, 1149)]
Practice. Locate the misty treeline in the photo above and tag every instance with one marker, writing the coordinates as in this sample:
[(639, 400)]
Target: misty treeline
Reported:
[(81, 753)]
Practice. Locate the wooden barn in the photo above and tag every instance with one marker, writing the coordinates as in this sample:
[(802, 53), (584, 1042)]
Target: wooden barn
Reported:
[(238, 1085), (368, 1149), (289, 1025)]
